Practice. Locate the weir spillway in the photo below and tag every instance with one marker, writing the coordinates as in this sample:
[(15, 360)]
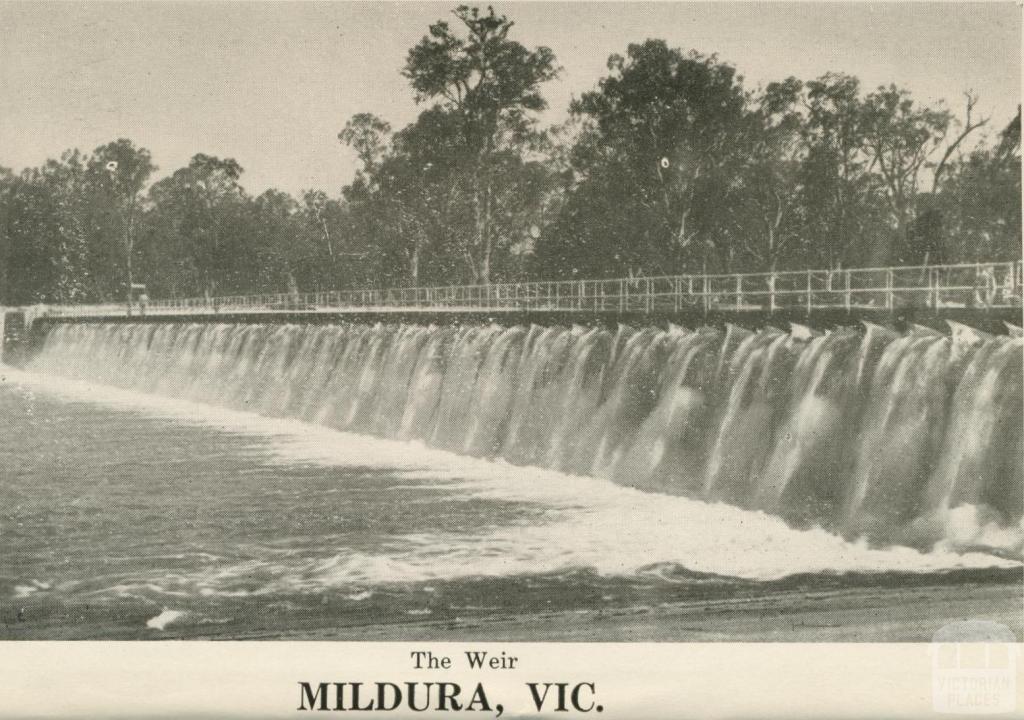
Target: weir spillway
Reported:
[(910, 437)]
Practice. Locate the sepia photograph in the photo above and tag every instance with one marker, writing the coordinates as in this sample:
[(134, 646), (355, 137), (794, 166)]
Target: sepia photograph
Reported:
[(533, 322)]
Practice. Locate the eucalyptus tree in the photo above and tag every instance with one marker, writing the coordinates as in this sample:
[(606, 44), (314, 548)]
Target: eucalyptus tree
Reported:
[(901, 137), (768, 218), (7, 185), (50, 230), (979, 198), (118, 173), (843, 198), (490, 86), (327, 226), (282, 253), (41, 255), (199, 229), (657, 157)]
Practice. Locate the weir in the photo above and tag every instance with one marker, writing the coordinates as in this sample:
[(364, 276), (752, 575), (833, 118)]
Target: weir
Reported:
[(912, 437)]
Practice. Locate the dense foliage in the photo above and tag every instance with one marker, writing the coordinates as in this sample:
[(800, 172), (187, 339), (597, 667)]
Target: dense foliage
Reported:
[(670, 164)]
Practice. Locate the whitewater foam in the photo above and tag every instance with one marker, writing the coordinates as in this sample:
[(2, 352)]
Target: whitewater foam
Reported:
[(165, 618), (583, 522)]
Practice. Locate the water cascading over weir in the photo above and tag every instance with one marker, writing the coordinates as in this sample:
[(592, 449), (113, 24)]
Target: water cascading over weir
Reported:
[(911, 438)]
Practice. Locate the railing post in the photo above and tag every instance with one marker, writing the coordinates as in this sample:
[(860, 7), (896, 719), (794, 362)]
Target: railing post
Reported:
[(622, 295), (704, 293), (739, 292), (1014, 284), (647, 293), (809, 275), (888, 290), (771, 292), (848, 291)]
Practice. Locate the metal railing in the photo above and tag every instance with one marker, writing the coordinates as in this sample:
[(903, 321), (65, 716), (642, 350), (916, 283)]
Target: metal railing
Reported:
[(977, 285)]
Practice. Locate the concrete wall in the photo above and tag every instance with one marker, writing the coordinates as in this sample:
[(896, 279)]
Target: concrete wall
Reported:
[(988, 320), (20, 334), (13, 336)]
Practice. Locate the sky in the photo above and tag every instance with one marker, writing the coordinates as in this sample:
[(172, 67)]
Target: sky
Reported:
[(272, 84)]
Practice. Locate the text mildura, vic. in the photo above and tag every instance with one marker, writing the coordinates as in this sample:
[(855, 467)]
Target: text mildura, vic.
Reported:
[(442, 696)]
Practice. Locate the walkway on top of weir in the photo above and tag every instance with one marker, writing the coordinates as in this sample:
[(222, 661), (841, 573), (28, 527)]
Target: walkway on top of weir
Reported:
[(940, 289)]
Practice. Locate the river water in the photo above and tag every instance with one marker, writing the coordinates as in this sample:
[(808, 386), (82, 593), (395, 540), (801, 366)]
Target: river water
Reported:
[(140, 511)]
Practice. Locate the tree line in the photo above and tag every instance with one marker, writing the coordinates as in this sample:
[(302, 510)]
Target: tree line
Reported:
[(669, 165)]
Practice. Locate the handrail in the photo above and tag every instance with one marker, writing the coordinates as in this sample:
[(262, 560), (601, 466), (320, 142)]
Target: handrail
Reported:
[(976, 285)]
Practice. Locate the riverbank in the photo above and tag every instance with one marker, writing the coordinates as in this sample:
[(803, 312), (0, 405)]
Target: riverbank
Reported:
[(893, 608), (846, 615)]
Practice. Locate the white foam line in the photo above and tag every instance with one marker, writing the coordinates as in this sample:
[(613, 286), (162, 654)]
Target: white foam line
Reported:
[(164, 619)]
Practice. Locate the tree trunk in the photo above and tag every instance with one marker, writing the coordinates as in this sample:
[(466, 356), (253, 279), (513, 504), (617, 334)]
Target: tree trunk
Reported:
[(482, 265), (128, 264), (478, 217), (485, 264), (327, 239), (5, 262), (414, 263), (129, 246), (485, 268)]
